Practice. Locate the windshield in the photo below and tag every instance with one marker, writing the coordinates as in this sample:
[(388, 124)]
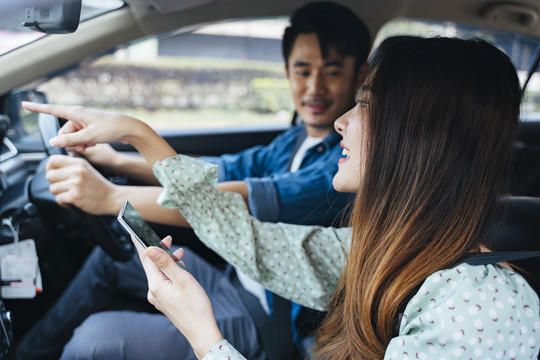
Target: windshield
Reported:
[(13, 35)]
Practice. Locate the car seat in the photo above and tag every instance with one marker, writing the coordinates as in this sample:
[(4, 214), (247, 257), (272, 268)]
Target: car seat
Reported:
[(525, 180), (519, 230)]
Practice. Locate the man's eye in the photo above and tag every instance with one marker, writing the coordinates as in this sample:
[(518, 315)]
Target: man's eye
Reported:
[(333, 73), (302, 73)]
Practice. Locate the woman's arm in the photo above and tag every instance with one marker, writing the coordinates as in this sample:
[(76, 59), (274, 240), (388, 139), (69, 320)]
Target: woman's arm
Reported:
[(87, 127), (300, 263)]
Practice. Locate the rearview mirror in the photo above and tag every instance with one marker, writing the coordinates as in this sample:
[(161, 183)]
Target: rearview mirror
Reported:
[(61, 17)]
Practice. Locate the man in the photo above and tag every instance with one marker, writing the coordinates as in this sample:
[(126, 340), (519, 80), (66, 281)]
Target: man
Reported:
[(325, 50)]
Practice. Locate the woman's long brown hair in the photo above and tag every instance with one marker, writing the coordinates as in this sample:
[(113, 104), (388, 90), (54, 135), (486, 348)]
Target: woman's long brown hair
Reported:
[(443, 115)]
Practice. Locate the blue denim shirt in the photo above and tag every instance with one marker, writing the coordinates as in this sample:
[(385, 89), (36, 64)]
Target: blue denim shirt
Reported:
[(277, 195)]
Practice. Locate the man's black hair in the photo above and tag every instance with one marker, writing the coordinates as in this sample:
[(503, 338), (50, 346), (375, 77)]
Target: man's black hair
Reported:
[(335, 26)]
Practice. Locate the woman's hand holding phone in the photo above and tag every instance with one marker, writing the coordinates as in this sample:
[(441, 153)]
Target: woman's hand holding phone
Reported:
[(180, 297)]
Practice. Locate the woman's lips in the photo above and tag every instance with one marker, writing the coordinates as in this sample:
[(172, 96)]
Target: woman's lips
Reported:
[(345, 152)]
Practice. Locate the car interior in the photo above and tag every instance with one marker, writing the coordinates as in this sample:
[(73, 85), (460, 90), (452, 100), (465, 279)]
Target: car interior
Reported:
[(80, 64)]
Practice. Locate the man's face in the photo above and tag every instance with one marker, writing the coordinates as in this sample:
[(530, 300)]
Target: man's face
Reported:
[(322, 89)]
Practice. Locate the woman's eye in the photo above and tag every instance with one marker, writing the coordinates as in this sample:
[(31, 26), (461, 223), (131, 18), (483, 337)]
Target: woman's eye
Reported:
[(362, 103)]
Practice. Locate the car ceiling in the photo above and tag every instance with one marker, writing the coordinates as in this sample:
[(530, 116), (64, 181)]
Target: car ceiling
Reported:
[(148, 17), (521, 16)]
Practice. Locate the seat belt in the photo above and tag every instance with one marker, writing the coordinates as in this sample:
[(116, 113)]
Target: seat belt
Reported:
[(485, 258)]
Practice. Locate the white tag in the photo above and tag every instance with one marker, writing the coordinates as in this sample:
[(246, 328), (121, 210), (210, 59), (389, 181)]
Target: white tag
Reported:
[(19, 290), (19, 270), (24, 247)]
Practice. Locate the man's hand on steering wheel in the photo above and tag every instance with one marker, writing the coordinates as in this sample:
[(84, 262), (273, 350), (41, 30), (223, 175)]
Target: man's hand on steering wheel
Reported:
[(74, 181), (116, 245)]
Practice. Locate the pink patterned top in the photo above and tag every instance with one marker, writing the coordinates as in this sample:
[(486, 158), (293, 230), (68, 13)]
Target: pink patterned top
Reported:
[(466, 312)]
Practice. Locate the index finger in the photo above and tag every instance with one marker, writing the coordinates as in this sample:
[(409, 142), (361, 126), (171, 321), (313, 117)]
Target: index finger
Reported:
[(66, 112)]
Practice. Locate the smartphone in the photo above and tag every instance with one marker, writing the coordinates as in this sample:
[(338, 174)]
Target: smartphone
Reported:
[(133, 222)]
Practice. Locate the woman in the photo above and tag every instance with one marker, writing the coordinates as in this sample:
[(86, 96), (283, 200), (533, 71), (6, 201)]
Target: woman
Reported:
[(428, 148)]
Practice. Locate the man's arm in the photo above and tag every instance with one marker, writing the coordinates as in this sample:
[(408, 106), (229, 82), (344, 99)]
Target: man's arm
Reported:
[(143, 198), (135, 167), (113, 162), (304, 197), (75, 182), (275, 195)]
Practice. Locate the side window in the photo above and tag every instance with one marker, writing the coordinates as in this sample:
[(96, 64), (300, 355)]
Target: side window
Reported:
[(523, 51), (222, 75), (531, 97)]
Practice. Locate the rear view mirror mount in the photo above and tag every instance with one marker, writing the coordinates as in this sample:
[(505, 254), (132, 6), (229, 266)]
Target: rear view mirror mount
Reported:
[(61, 17)]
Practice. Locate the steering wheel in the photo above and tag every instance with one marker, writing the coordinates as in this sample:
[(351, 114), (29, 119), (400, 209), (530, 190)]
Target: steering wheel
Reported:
[(115, 243)]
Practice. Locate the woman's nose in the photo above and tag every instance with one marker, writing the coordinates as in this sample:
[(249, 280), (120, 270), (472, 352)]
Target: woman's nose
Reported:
[(341, 123)]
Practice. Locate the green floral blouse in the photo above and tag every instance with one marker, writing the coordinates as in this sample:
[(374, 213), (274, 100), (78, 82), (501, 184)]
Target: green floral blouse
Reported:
[(466, 312)]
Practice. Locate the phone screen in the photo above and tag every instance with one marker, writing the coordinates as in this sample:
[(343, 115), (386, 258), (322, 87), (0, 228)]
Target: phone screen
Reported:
[(133, 222)]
